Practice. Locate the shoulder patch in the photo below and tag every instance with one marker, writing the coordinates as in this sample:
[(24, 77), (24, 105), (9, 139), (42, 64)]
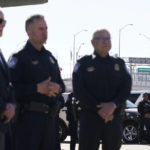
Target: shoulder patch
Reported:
[(76, 67), (126, 69), (12, 62), (52, 60)]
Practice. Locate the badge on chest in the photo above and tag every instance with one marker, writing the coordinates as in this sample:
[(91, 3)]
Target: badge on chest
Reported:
[(116, 67), (90, 69), (35, 62)]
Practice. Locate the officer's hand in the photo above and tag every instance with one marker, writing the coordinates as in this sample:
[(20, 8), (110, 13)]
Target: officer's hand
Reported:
[(147, 115), (43, 87), (9, 113), (109, 118), (106, 118), (106, 109), (54, 89)]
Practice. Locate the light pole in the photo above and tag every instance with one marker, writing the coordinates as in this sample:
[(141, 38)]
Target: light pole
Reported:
[(120, 34), (78, 50), (147, 37), (74, 41)]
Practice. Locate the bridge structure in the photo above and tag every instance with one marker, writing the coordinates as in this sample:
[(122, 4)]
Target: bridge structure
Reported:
[(139, 68)]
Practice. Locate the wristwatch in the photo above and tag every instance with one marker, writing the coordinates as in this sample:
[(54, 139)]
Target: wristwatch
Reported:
[(60, 89), (114, 104)]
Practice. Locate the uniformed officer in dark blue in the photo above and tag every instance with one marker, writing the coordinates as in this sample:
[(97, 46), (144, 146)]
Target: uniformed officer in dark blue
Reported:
[(38, 86), (58, 146), (73, 121), (7, 97), (144, 111), (102, 84)]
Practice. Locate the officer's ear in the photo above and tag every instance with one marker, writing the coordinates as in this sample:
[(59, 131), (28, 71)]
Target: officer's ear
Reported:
[(29, 32), (93, 42)]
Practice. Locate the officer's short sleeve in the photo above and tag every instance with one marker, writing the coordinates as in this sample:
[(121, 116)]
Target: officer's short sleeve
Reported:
[(87, 101)]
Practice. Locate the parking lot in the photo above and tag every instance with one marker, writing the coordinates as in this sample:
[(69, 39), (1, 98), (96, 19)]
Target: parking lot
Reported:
[(124, 147), (65, 146)]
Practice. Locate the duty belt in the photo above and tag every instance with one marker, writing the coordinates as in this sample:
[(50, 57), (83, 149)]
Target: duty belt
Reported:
[(38, 107)]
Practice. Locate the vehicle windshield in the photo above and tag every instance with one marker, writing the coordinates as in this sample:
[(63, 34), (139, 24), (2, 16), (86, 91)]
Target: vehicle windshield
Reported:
[(129, 104)]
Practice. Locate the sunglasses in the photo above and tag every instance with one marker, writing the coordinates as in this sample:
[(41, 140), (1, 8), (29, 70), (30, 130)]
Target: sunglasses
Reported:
[(2, 21), (102, 39)]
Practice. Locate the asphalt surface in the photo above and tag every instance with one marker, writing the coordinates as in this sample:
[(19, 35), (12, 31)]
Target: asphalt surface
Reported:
[(124, 147), (65, 146)]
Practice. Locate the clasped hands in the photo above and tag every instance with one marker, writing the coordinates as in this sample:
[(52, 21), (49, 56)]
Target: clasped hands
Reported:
[(106, 111), (48, 88)]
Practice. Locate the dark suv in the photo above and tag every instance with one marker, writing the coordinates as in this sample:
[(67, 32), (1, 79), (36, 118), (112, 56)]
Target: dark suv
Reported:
[(130, 124)]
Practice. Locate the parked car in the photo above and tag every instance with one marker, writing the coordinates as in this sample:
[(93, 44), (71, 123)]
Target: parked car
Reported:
[(136, 96), (130, 124)]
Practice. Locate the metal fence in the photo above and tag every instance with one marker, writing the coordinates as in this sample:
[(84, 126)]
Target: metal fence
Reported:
[(140, 81)]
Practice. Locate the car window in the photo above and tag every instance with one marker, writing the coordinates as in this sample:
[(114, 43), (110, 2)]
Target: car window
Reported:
[(133, 97), (129, 104)]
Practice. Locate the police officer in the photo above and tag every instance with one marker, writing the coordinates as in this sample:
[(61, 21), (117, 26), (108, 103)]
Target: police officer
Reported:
[(102, 84), (73, 121), (144, 110), (7, 98), (38, 86), (58, 146)]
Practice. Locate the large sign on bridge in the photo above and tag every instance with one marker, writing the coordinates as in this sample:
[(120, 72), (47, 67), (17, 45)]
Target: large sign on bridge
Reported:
[(137, 60)]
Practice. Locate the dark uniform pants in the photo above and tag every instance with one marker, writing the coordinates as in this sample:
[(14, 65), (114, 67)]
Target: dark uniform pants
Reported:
[(93, 129), (147, 124), (2, 140), (57, 145), (141, 130), (35, 131), (73, 127)]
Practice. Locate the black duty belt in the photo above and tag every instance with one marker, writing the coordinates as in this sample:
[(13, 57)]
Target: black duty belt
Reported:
[(50, 109), (38, 107)]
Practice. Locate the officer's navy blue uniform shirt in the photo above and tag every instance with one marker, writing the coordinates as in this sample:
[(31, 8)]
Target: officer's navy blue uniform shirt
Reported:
[(97, 80), (144, 107), (30, 67)]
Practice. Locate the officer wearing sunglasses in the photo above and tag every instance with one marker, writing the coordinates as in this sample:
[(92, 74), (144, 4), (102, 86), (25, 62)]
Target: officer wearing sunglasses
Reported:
[(102, 84), (7, 99)]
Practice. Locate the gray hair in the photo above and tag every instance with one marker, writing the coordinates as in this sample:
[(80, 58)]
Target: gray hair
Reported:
[(98, 32), (31, 19)]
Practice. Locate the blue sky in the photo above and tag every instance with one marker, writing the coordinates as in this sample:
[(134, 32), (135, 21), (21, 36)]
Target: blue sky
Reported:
[(67, 17)]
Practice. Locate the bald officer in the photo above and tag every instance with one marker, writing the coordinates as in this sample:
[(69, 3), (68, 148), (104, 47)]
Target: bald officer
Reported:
[(102, 84)]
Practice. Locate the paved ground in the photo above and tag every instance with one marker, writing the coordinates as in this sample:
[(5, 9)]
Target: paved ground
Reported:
[(124, 147), (65, 146)]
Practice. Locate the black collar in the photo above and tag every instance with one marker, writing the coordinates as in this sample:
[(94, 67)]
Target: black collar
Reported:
[(96, 55), (32, 49)]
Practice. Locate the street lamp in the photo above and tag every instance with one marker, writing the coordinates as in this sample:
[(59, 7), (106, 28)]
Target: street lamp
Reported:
[(74, 49), (148, 38), (120, 34), (78, 50)]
